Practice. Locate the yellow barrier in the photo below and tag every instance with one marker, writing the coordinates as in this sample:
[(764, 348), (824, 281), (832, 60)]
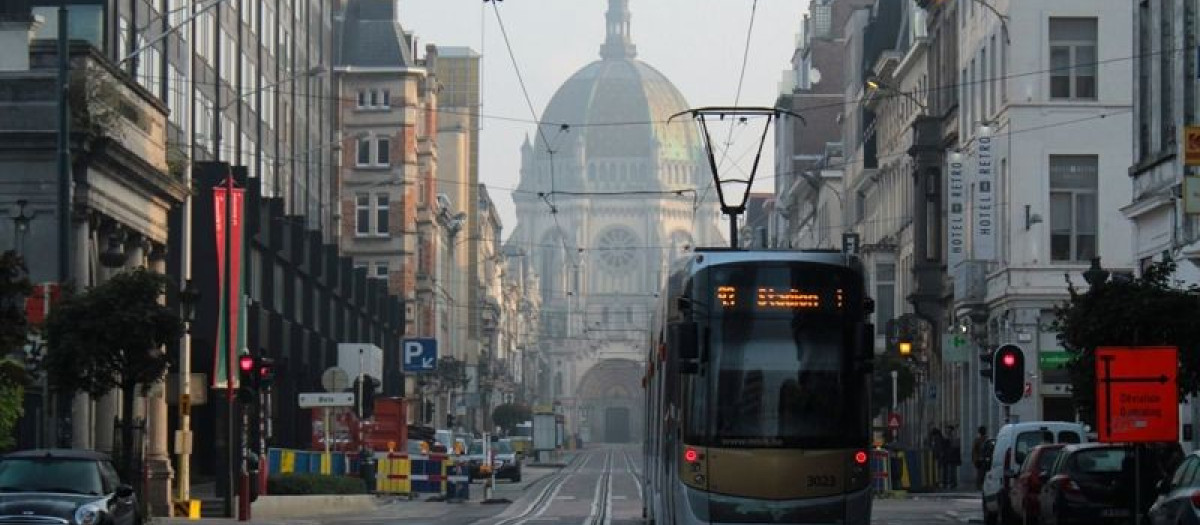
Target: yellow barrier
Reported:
[(288, 465), (393, 474)]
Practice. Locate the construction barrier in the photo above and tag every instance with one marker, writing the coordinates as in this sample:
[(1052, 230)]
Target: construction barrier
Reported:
[(881, 471), (458, 482), (392, 476), (288, 461), (428, 473), (914, 470)]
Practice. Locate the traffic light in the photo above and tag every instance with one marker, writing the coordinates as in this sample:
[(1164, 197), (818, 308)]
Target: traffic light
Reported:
[(905, 348), (247, 378), (1008, 374), (266, 372)]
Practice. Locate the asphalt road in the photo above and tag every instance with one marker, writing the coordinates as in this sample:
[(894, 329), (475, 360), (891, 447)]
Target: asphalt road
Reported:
[(598, 486)]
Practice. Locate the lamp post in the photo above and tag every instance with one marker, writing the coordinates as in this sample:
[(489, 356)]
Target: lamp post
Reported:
[(21, 226), (189, 296), (1095, 275)]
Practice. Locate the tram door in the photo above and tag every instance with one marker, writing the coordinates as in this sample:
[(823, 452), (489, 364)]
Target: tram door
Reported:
[(616, 425)]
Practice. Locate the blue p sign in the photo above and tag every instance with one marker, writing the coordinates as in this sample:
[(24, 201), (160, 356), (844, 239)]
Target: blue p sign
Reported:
[(420, 355)]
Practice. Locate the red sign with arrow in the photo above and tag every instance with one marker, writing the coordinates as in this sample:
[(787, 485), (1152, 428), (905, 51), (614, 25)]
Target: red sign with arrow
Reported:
[(1136, 394)]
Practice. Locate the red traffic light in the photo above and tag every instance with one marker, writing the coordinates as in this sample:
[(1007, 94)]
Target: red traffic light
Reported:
[(1008, 360), (246, 363)]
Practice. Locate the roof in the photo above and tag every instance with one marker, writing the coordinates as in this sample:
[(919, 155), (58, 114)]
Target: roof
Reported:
[(457, 52), (369, 35), (59, 453)]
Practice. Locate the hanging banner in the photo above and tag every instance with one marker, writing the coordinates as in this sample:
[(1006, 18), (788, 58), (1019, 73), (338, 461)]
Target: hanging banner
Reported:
[(225, 358), (956, 215), (983, 206)]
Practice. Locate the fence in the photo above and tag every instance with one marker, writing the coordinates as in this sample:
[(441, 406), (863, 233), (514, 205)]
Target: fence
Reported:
[(395, 473)]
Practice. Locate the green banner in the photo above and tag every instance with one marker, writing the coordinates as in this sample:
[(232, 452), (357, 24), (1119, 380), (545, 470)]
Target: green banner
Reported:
[(1053, 359)]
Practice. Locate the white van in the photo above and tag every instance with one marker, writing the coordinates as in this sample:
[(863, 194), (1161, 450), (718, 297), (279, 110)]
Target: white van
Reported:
[(1008, 451)]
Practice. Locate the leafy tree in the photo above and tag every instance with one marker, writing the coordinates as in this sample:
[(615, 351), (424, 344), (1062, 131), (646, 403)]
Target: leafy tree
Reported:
[(14, 334), (1150, 310), (111, 336), (881, 382), (508, 415)]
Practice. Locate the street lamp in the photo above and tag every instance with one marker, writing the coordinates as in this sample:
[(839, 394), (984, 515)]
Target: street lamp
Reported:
[(188, 297), (21, 226), (875, 84)]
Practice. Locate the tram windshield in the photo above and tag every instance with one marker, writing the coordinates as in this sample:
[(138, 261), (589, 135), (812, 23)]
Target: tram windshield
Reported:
[(781, 386), (780, 338)]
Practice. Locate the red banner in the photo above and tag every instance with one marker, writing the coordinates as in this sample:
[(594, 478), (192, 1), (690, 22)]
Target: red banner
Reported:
[(225, 358)]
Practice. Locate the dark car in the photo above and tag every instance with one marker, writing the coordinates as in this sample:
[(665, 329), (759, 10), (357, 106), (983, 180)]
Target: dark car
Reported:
[(71, 487), (1178, 497), (1095, 482), (505, 461), (1027, 485)]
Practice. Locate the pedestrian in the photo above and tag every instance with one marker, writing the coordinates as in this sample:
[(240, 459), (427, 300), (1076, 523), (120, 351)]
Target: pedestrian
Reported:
[(978, 456), (935, 443), (951, 458)]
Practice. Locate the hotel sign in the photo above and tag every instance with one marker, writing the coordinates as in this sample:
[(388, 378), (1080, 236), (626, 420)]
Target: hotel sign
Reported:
[(956, 215), (983, 229)]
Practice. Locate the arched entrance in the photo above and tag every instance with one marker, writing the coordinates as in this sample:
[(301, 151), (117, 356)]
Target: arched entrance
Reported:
[(610, 396)]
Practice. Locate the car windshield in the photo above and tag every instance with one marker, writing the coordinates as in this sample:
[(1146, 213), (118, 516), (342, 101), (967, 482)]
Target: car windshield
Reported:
[(1099, 461), (502, 447), (75, 476)]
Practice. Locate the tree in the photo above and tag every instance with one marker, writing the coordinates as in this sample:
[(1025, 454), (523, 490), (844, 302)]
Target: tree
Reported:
[(14, 335), (111, 336), (508, 415), (1150, 310)]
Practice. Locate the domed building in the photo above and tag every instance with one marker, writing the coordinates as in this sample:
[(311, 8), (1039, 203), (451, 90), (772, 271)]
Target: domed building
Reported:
[(607, 198)]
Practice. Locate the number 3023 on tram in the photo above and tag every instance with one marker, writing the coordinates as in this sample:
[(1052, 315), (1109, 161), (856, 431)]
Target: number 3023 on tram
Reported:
[(757, 391)]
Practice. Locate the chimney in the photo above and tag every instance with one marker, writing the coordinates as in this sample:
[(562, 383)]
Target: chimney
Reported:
[(17, 25)]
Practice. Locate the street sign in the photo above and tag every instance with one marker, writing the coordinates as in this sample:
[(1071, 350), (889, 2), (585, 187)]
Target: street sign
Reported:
[(894, 421), (1053, 359), (420, 355), (335, 379), (850, 243), (1136, 394), (1191, 145), (326, 399)]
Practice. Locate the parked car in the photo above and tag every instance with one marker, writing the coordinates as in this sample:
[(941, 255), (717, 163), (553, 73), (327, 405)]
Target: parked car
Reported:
[(71, 487), (1027, 486), (1178, 497), (1094, 483), (1012, 444)]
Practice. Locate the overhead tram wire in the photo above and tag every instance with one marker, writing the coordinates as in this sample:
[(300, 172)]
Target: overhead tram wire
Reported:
[(897, 93)]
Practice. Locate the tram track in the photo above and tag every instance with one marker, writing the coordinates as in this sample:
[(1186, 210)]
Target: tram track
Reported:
[(602, 502), (547, 494)]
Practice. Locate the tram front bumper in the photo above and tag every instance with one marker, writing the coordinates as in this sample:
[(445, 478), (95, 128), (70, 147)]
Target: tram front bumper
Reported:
[(847, 509)]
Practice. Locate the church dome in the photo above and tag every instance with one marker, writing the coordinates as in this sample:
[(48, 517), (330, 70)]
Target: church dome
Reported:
[(617, 107)]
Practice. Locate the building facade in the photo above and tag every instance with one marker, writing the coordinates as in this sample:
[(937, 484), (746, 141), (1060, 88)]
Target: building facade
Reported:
[(600, 217)]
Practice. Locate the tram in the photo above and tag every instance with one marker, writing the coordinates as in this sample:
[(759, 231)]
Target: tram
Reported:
[(757, 391)]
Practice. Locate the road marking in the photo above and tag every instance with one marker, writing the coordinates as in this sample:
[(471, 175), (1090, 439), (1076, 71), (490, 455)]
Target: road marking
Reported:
[(565, 498), (620, 498)]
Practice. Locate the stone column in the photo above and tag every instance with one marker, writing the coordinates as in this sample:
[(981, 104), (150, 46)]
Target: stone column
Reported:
[(158, 462), (108, 407), (82, 424)]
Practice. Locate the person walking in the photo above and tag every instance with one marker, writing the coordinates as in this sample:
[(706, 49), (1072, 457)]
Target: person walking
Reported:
[(936, 444), (978, 457), (951, 458)]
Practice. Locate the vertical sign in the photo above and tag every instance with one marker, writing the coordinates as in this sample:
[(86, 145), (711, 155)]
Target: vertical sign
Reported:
[(226, 354), (983, 230), (1191, 146), (956, 217)]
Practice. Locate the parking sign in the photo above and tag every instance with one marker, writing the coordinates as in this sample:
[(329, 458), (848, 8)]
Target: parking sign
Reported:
[(420, 355)]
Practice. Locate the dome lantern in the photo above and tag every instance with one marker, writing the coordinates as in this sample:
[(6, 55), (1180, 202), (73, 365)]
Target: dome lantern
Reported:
[(618, 45)]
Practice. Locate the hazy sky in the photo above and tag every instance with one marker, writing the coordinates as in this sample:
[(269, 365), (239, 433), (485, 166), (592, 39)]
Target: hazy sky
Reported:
[(698, 44)]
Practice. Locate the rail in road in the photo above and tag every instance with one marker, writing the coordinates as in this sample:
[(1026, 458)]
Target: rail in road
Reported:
[(582, 493)]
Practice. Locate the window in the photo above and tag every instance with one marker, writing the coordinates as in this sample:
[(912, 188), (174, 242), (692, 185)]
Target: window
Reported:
[(885, 291), (364, 152), (381, 270), (1166, 67), (381, 214), (1073, 207), (362, 214), (1073, 58), (374, 98), (387, 98), (382, 151), (362, 98)]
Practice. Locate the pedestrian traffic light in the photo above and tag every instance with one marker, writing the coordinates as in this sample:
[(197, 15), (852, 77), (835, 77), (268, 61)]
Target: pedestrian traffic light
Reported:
[(1008, 374), (266, 372), (905, 348), (247, 378)]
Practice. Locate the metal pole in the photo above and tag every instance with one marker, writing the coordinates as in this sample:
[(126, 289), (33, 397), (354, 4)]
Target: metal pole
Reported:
[(895, 397), (328, 459), (64, 147), (183, 478), (733, 230), (231, 419)]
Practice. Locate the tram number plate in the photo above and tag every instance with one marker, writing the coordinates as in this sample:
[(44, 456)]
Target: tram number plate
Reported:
[(823, 480)]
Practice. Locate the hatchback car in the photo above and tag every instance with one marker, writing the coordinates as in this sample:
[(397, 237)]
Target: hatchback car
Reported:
[(1027, 487), (1095, 482), (1178, 497), (71, 487)]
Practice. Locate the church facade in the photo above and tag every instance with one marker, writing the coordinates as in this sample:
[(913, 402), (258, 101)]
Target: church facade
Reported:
[(610, 194)]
